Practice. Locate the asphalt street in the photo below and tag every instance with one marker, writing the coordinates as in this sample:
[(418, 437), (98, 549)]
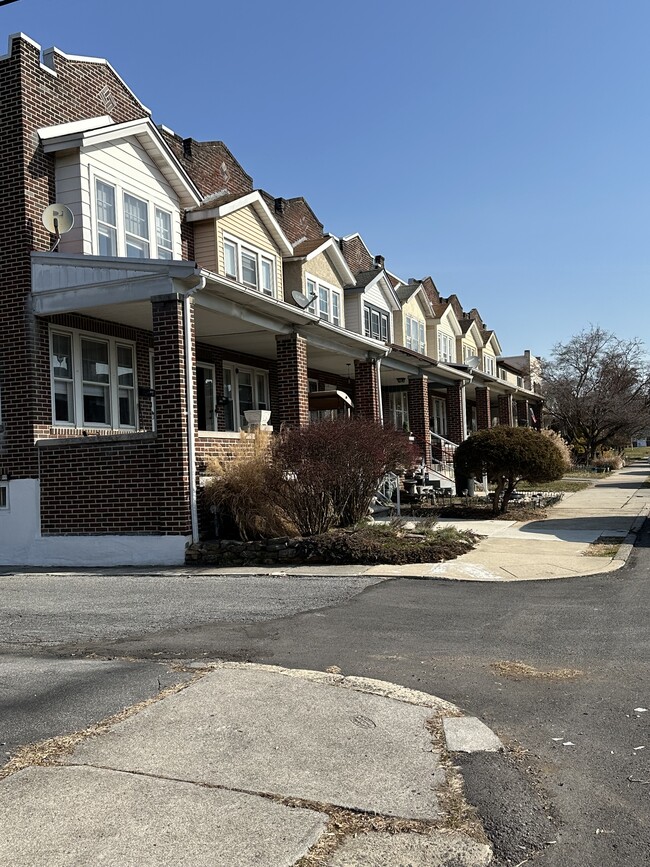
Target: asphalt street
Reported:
[(573, 719)]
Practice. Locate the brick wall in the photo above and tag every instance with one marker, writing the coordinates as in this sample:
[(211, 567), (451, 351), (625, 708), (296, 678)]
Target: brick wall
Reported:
[(33, 97), (103, 485), (356, 255), (210, 165), (292, 385), (454, 401), (483, 409), (366, 397), (418, 397), (506, 415)]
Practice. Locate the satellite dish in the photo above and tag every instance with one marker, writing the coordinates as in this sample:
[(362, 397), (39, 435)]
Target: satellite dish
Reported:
[(473, 362), (302, 300), (57, 219)]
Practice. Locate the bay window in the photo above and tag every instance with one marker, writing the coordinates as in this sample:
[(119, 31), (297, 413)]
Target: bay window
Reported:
[(93, 381)]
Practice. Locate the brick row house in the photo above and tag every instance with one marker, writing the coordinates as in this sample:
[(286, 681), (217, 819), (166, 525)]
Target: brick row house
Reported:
[(137, 344)]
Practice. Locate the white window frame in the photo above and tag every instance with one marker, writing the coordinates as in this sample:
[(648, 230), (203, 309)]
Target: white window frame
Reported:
[(398, 409), (258, 376), (323, 304), (153, 207), (261, 257), (446, 351), (438, 416), (414, 332), (372, 313), (113, 386), (489, 364)]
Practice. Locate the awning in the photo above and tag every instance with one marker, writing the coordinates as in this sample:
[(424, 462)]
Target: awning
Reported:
[(329, 399)]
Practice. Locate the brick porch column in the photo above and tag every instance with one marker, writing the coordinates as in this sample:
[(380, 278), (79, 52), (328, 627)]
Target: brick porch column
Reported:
[(366, 392), (171, 414), (506, 415), (455, 413), (523, 416), (293, 386), (483, 411), (418, 395)]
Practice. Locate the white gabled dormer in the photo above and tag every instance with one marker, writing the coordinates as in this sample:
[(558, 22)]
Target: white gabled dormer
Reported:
[(123, 185), (371, 304), (445, 331), (411, 322), (490, 352), (237, 236)]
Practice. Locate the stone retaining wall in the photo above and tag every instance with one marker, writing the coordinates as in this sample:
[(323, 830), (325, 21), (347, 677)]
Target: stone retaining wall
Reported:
[(228, 552)]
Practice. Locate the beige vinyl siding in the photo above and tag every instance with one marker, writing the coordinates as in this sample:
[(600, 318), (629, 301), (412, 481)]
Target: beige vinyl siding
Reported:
[(72, 190), (352, 303), (245, 225), (205, 245), (126, 164)]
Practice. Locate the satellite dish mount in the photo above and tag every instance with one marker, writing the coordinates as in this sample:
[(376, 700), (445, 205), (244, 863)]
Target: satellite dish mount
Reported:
[(303, 301), (57, 219)]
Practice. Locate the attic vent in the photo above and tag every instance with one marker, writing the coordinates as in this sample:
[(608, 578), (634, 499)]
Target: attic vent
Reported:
[(106, 98)]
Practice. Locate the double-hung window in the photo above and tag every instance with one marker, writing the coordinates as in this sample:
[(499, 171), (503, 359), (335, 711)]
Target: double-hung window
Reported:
[(415, 334), (488, 364), (375, 323), (250, 266), (327, 300), (398, 408), (445, 347), (128, 225), (93, 381)]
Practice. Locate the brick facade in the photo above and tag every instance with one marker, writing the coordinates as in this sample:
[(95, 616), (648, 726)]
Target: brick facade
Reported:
[(293, 387), (455, 412), (418, 403), (506, 414), (366, 392), (483, 409)]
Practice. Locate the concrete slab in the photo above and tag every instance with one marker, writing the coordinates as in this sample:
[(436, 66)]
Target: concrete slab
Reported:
[(469, 735), (263, 732), (438, 849), (64, 817)]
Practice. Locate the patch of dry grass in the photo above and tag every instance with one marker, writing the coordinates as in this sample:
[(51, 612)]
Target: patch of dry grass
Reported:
[(604, 546), (521, 670)]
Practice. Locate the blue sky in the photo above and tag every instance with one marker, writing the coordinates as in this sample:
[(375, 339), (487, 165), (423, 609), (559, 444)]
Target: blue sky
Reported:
[(502, 146)]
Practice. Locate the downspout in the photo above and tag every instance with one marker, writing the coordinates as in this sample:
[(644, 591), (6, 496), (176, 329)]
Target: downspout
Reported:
[(380, 401), (189, 399)]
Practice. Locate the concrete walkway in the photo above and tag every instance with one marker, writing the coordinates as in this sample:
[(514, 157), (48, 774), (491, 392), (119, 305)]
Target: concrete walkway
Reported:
[(252, 765)]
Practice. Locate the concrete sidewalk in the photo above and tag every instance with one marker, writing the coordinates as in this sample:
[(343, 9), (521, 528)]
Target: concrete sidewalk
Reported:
[(253, 765)]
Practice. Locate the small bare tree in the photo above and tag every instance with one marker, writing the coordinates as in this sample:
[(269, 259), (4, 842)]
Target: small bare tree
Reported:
[(597, 389)]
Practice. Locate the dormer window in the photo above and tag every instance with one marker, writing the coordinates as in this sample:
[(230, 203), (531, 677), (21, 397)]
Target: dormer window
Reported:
[(415, 334), (250, 266), (327, 300), (127, 225), (446, 347), (488, 364), (375, 323)]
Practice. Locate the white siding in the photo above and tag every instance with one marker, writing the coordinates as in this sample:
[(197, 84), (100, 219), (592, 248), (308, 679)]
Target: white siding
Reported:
[(376, 297), (72, 190), (353, 319), (245, 225)]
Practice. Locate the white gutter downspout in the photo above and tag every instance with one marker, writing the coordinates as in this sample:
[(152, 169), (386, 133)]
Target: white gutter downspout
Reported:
[(379, 397), (189, 398)]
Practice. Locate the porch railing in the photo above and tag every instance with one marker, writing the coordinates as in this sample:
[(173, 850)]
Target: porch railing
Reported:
[(442, 451)]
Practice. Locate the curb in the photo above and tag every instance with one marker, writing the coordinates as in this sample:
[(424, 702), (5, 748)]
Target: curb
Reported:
[(627, 546)]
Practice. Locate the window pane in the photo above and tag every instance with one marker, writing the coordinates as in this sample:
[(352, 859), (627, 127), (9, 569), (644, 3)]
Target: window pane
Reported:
[(94, 359), (260, 383), (249, 268), (164, 234), (62, 356), (230, 257), (245, 394), (96, 409), (136, 227), (228, 410), (336, 308), (384, 327), (127, 408), (323, 302), (267, 276), (366, 322), (374, 320), (106, 241), (105, 195), (125, 365), (63, 401)]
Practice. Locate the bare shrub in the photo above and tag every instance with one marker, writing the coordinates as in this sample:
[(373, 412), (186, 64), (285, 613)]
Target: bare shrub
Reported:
[(328, 472), (242, 490), (562, 446)]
